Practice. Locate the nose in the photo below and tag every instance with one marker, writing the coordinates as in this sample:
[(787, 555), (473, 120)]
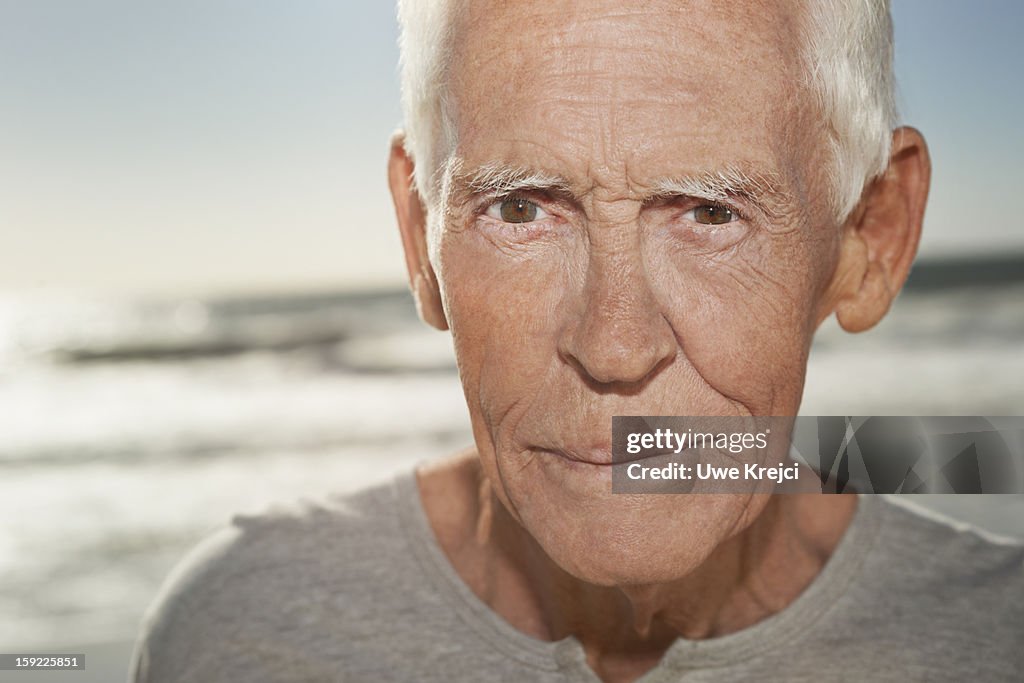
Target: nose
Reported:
[(619, 335)]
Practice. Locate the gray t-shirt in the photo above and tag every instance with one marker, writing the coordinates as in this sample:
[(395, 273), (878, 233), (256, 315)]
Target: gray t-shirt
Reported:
[(358, 589)]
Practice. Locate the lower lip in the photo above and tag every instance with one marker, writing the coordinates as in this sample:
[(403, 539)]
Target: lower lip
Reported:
[(568, 473), (600, 471)]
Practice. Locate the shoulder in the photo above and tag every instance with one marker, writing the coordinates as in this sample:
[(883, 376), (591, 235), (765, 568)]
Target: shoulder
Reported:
[(943, 588), (257, 594), (941, 548)]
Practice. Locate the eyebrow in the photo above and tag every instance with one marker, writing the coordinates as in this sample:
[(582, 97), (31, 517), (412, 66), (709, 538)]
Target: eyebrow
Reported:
[(760, 188), (498, 179), (719, 185)]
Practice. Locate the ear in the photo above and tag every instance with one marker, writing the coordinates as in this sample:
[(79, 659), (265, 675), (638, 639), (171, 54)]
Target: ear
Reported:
[(880, 237), (412, 223)]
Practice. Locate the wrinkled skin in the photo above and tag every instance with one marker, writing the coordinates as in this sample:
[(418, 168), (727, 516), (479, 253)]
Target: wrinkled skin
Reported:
[(616, 301)]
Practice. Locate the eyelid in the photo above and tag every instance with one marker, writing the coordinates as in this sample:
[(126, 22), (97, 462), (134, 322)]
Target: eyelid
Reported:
[(491, 206), (690, 216), (690, 204)]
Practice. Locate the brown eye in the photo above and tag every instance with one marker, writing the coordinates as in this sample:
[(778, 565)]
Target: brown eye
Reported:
[(712, 214), (516, 210)]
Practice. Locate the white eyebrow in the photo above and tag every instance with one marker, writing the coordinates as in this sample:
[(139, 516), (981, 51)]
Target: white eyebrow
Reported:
[(498, 179), (718, 185)]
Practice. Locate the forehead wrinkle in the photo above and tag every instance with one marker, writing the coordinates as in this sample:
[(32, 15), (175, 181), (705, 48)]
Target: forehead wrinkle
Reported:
[(578, 78)]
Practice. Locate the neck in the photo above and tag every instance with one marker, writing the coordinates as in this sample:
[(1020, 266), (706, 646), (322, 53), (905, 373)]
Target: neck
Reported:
[(626, 629)]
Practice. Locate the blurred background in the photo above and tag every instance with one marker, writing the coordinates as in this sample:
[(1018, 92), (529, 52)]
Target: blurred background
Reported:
[(202, 304)]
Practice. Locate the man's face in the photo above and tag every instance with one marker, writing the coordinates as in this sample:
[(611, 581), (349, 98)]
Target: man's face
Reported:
[(611, 293)]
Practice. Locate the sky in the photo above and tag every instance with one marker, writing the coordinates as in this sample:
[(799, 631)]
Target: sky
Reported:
[(239, 146)]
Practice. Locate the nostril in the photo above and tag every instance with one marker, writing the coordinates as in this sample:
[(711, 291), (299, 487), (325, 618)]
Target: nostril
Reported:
[(617, 364)]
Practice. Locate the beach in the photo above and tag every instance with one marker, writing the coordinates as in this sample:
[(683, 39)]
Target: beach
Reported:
[(133, 428)]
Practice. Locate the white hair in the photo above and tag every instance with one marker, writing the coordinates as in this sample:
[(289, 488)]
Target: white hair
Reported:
[(848, 54), (426, 32)]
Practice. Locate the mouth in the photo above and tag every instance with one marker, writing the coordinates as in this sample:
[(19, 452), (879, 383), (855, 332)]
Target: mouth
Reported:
[(602, 455)]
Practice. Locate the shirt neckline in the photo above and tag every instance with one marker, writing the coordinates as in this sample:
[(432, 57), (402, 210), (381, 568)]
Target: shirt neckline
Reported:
[(567, 655)]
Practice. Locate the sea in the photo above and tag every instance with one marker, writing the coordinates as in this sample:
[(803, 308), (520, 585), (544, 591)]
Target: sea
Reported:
[(130, 428)]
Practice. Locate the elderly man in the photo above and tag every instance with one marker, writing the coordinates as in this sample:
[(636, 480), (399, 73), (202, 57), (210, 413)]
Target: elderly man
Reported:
[(620, 209)]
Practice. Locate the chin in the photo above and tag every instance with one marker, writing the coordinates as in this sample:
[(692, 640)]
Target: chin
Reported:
[(620, 540), (637, 564)]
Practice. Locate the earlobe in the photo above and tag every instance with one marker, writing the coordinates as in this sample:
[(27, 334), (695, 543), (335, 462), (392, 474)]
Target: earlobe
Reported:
[(427, 294), (412, 224), (881, 237), (869, 306)]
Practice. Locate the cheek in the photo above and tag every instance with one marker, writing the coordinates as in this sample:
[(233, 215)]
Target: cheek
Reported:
[(503, 308), (744, 316)]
